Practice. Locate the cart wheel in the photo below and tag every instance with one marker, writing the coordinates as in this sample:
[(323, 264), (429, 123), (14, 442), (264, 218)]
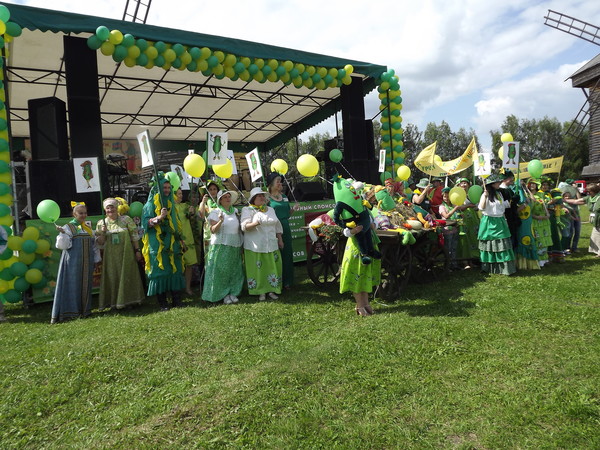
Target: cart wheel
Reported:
[(396, 265), (322, 263), (431, 261)]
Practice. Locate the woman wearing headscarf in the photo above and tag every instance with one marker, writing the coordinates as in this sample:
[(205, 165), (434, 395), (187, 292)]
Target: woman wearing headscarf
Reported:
[(120, 285), (163, 244), (262, 241), (224, 278), (495, 245), (73, 293), (281, 205), (184, 212)]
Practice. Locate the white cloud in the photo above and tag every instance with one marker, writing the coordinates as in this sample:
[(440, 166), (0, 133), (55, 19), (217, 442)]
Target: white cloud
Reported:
[(542, 94)]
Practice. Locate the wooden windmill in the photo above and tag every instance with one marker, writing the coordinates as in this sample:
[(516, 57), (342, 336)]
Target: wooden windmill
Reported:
[(586, 78)]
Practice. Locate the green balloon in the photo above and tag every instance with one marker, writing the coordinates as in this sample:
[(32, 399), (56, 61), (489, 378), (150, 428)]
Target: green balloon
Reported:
[(6, 254), (128, 40), (336, 155), (3, 145), (6, 274), (4, 210), (4, 167), (21, 284), (94, 42), (474, 193), (29, 246), (535, 168), (12, 296), (4, 13), (38, 264), (103, 33), (135, 209), (142, 44), (48, 211), (42, 283), (18, 269), (384, 176)]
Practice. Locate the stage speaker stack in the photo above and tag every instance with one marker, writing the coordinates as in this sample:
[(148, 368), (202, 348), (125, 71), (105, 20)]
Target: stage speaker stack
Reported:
[(359, 146), (48, 129), (309, 191)]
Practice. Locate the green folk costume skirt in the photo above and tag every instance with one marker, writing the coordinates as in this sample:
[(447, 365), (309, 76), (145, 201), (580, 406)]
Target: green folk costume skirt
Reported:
[(495, 246), (263, 272), (120, 285), (224, 273), (355, 276)]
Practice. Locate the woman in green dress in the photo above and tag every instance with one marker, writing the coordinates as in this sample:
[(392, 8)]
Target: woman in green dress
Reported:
[(262, 242), (281, 205), (117, 235), (224, 278), (184, 212), (495, 245)]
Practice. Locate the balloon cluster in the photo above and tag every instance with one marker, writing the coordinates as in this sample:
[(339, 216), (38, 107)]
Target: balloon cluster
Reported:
[(140, 52), (391, 124), (22, 264), (8, 29)]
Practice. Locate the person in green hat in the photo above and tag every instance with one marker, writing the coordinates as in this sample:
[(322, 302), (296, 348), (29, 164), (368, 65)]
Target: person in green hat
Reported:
[(450, 212), (422, 195), (495, 244), (540, 221), (468, 245)]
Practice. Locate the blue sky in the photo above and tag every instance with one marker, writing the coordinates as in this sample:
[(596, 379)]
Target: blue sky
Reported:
[(469, 62)]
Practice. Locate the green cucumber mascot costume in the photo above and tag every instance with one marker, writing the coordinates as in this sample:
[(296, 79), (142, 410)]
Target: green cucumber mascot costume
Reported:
[(350, 212)]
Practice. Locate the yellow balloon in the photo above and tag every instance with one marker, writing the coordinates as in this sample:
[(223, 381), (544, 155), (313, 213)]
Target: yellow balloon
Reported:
[(279, 166), (5, 156), (31, 233), (457, 196), (26, 258), (3, 286), (194, 165), (107, 48), (403, 172), (307, 165), (224, 170), (115, 37), (7, 220), (501, 153), (506, 137), (33, 276), (43, 246), (15, 243)]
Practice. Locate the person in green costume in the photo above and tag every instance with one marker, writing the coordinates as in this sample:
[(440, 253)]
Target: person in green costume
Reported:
[(120, 285), (162, 243), (527, 247), (495, 244), (540, 220), (184, 212), (283, 211), (468, 245)]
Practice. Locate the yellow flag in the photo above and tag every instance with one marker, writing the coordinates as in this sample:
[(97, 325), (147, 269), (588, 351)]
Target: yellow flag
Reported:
[(553, 165), (425, 162)]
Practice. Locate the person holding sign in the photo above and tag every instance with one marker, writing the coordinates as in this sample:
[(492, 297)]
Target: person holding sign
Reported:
[(120, 285), (495, 245), (73, 293), (163, 244), (262, 241)]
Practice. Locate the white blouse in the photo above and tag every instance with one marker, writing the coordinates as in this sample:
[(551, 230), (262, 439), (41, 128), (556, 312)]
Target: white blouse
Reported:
[(229, 231), (64, 241), (493, 209), (263, 238)]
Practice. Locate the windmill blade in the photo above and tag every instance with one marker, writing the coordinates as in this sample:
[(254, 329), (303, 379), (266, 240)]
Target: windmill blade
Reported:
[(573, 26)]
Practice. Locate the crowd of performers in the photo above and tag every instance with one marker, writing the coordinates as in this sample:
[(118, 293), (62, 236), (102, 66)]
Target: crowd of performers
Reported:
[(512, 226)]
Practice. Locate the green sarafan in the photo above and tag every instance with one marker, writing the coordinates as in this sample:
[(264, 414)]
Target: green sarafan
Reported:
[(470, 361)]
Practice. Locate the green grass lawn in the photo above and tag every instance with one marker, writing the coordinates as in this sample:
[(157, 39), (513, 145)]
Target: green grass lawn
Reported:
[(473, 362)]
